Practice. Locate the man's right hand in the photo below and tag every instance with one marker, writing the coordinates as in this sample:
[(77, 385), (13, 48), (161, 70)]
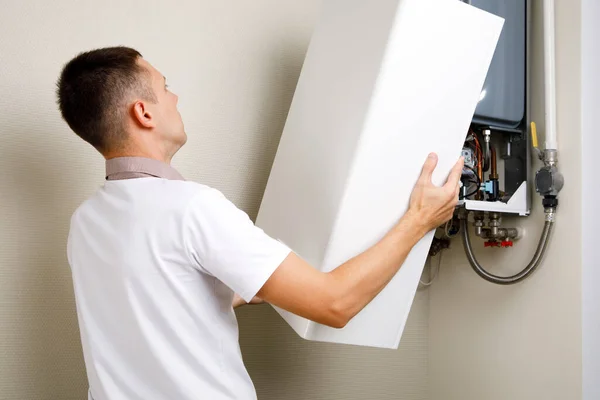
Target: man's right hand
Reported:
[(433, 205)]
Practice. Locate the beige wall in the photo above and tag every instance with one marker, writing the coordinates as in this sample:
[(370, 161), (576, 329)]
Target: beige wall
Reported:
[(521, 342), (234, 65)]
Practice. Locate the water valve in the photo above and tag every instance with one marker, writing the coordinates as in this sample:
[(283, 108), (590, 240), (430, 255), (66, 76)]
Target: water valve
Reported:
[(548, 180)]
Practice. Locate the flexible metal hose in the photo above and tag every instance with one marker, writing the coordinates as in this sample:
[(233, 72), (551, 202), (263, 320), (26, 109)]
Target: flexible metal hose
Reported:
[(507, 280)]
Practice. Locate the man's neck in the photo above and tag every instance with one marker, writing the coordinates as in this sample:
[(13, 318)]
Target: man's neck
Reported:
[(142, 154)]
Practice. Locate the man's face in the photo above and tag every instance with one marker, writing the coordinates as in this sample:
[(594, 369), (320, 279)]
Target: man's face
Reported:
[(168, 119)]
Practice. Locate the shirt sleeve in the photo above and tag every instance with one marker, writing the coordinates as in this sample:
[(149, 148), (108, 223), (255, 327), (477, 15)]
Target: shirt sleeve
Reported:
[(224, 242)]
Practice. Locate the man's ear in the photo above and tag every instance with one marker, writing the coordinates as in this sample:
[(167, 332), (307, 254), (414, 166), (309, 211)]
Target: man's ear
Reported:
[(142, 115)]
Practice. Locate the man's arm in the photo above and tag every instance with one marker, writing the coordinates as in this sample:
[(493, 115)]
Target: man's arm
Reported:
[(334, 298)]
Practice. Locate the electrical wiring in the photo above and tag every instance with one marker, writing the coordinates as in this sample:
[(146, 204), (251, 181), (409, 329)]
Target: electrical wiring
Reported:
[(478, 182), (437, 270), (473, 192), (447, 230)]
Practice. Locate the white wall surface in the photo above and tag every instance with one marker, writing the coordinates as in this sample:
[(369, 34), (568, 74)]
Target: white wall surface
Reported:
[(590, 106), (234, 65), (521, 342)]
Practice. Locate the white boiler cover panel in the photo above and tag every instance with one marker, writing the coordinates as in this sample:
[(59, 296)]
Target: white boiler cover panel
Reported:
[(383, 84)]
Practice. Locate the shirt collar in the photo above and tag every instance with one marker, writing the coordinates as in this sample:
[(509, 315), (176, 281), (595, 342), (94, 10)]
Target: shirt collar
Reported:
[(139, 167)]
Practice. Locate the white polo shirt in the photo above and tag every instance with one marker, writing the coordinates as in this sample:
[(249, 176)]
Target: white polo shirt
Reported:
[(155, 263)]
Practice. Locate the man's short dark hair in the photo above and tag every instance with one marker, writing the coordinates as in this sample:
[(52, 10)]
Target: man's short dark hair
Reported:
[(93, 91)]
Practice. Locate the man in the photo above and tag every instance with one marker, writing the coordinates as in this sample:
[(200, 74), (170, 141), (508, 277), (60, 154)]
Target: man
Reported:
[(156, 260)]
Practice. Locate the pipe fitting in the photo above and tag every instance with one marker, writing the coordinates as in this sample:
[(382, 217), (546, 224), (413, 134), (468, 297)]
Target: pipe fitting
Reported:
[(550, 157), (525, 272), (550, 214), (497, 233)]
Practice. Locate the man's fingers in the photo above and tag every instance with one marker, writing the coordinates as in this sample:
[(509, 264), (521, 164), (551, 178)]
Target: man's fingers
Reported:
[(428, 168), (455, 174)]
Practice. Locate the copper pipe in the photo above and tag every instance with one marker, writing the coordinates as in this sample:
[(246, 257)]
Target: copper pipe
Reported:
[(494, 172), (479, 156), (480, 166)]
